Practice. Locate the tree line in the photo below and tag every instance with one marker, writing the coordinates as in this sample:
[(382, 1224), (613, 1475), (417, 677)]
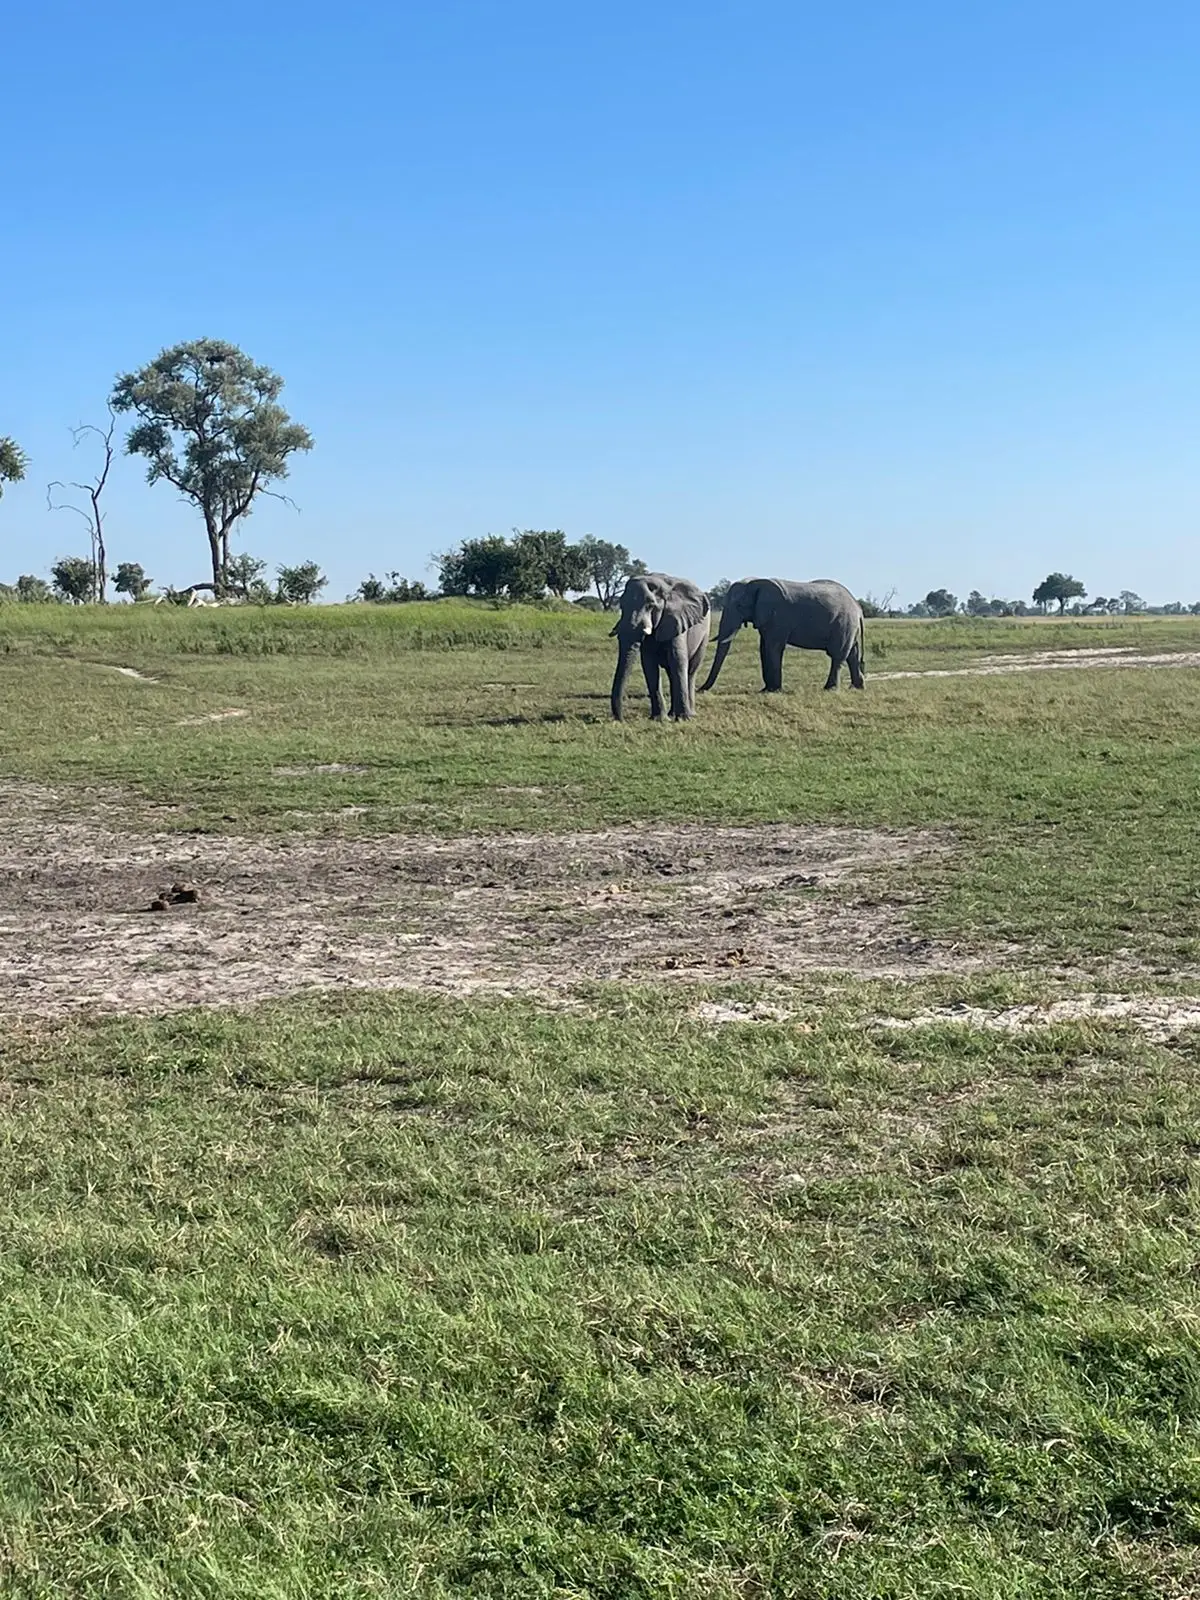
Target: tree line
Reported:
[(207, 421), (1057, 589)]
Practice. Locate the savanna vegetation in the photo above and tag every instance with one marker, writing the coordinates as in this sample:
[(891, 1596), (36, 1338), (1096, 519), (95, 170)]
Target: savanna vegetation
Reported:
[(587, 1295)]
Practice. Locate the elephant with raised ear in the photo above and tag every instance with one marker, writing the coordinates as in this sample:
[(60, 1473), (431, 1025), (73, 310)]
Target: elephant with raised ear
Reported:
[(666, 619), (821, 615)]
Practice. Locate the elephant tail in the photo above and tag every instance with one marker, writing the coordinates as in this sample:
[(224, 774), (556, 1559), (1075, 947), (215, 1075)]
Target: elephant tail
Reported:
[(862, 645)]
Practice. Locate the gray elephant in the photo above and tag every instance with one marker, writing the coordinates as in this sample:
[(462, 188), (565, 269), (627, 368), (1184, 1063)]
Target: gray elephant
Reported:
[(667, 619), (822, 615)]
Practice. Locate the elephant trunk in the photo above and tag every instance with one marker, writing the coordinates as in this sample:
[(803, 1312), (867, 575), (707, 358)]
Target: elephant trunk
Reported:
[(625, 650), (724, 640)]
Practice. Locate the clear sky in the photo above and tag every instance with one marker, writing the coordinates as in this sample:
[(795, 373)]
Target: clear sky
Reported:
[(906, 295)]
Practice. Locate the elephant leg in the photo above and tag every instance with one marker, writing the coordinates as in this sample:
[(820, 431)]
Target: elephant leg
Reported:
[(694, 660), (650, 669), (855, 662), (770, 654), (677, 675), (835, 667)]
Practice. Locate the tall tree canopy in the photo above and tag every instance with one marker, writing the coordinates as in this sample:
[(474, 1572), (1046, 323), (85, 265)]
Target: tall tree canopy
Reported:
[(212, 426), (13, 462), (1058, 586)]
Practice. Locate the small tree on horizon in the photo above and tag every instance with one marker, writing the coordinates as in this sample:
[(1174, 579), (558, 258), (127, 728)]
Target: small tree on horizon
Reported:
[(74, 579), (941, 603), (131, 579), (211, 425), (300, 585), (1058, 586), (32, 591), (608, 566)]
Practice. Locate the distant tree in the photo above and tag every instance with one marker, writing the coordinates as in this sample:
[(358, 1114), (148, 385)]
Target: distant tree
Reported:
[(608, 566), (1058, 586), (871, 607), (244, 577), (1176, 608), (563, 567), (977, 606), (13, 462), (1194, 608), (941, 603), (477, 566), (92, 515), (716, 595), (1131, 603), (211, 425), (131, 579), (300, 586), (588, 602), (34, 591), (74, 579), (397, 590), (404, 591), (532, 556)]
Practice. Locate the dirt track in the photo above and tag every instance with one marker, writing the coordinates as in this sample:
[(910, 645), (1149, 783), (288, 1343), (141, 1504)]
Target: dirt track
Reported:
[(499, 913)]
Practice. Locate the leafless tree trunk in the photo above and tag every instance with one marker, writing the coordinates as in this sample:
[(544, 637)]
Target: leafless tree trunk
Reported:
[(93, 517)]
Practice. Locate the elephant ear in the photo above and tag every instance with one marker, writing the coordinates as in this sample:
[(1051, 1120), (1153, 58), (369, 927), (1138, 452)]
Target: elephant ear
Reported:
[(686, 605)]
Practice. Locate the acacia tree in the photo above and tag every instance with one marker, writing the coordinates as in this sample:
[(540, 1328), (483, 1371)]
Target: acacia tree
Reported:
[(93, 517), (941, 603), (607, 566), (131, 579), (13, 462), (1058, 586), (212, 426)]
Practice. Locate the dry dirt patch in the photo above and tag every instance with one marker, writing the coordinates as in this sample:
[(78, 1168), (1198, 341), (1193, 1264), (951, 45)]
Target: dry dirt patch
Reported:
[(502, 913), (1053, 661), (1161, 1017)]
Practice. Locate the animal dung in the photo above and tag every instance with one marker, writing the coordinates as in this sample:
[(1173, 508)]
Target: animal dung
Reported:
[(179, 894)]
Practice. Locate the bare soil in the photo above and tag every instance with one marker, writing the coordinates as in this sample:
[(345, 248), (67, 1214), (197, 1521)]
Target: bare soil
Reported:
[(1161, 1017), (501, 913), (1053, 661)]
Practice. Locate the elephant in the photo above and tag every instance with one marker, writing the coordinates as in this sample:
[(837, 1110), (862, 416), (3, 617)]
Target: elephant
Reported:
[(821, 615), (668, 619)]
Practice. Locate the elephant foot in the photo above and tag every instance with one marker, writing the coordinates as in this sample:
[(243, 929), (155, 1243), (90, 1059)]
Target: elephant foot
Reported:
[(772, 688)]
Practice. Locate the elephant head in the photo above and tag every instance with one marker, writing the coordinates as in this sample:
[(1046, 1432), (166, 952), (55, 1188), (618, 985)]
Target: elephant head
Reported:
[(740, 606), (653, 606)]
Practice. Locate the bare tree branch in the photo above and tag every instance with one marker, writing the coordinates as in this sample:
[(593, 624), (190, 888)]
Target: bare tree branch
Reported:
[(95, 517)]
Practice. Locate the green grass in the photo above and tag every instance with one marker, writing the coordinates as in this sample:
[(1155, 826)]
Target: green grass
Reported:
[(402, 1297), (405, 1296), (304, 630), (1073, 792)]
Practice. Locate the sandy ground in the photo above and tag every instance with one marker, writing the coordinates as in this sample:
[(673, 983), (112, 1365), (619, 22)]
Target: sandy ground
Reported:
[(1159, 1016), (506, 914), (1052, 661)]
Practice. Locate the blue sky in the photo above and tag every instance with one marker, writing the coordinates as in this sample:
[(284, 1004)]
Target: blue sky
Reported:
[(902, 295)]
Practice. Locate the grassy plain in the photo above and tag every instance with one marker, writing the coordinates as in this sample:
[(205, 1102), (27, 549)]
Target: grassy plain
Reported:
[(406, 1295)]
